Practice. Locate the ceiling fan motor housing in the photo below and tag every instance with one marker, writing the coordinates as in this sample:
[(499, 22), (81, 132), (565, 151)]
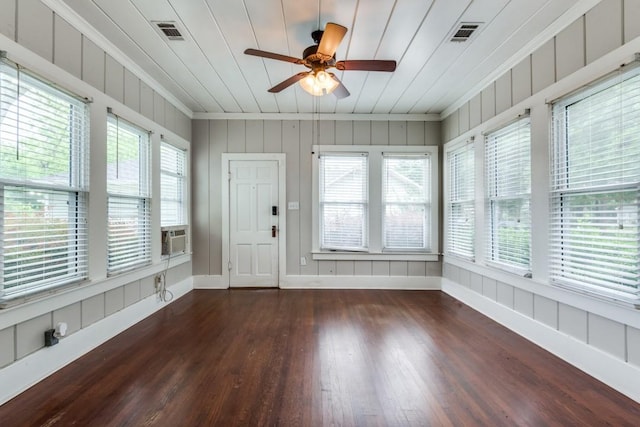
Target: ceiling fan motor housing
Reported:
[(313, 59), (311, 50)]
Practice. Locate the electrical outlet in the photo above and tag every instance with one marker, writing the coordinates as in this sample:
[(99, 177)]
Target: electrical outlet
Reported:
[(303, 260), (157, 280)]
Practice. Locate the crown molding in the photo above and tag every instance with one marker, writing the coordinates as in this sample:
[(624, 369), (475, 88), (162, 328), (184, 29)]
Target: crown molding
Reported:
[(320, 116)]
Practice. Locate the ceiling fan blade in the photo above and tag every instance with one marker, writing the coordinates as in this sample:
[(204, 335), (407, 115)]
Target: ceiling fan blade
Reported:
[(333, 35), (366, 65), (291, 80), (340, 91), (271, 55)]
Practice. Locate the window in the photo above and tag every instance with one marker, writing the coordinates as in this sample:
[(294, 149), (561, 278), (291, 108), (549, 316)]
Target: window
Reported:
[(343, 201), (128, 189), (595, 238), (172, 185), (406, 201), (375, 202), (43, 184), (508, 194), (461, 201)]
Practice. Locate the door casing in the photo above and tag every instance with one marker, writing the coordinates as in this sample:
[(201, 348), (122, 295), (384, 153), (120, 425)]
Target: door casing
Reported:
[(282, 218)]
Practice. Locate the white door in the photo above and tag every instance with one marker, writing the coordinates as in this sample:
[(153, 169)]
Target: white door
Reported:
[(253, 223)]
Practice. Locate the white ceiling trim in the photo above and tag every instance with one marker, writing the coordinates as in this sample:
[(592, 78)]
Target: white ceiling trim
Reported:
[(79, 23), (320, 116), (567, 18)]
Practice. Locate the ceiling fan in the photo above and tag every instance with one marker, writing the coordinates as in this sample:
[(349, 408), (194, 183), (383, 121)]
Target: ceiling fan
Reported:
[(320, 57)]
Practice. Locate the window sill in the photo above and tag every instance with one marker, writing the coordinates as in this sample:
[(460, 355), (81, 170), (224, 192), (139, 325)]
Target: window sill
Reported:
[(521, 272), (371, 256)]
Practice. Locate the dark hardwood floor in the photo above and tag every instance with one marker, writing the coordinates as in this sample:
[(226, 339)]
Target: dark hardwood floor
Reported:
[(315, 358)]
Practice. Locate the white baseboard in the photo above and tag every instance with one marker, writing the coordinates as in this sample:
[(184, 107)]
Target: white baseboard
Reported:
[(361, 282), (35, 367), (335, 282), (612, 371), (209, 282)]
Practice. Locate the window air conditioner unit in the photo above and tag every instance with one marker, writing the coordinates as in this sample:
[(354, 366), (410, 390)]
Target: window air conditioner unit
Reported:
[(174, 239)]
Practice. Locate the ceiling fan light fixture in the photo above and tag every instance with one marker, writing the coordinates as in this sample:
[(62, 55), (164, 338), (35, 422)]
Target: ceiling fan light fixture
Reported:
[(319, 83)]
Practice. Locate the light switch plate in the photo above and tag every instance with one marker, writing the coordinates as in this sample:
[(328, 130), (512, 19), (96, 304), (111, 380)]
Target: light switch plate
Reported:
[(293, 206)]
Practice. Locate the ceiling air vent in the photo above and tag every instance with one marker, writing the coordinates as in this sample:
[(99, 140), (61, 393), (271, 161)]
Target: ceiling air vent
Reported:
[(464, 31), (169, 30)]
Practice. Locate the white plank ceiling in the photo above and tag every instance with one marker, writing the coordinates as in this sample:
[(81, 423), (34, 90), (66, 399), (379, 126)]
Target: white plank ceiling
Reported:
[(209, 73)]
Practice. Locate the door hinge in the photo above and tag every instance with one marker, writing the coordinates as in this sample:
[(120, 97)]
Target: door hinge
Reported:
[(229, 265), (229, 175)]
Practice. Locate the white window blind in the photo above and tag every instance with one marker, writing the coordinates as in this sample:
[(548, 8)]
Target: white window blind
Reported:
[(508, 194), (43, 184), (461, 203), (406, 199), (172, 185), (343, 201), (128, 188), (595, 238)]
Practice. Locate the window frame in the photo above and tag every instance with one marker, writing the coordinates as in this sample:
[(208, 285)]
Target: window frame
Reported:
[(495, 191), (75, 187), (425, 203), (182, 179), (140, 202), (562, 191), (363, 203), (375, 189), (467, 147)]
